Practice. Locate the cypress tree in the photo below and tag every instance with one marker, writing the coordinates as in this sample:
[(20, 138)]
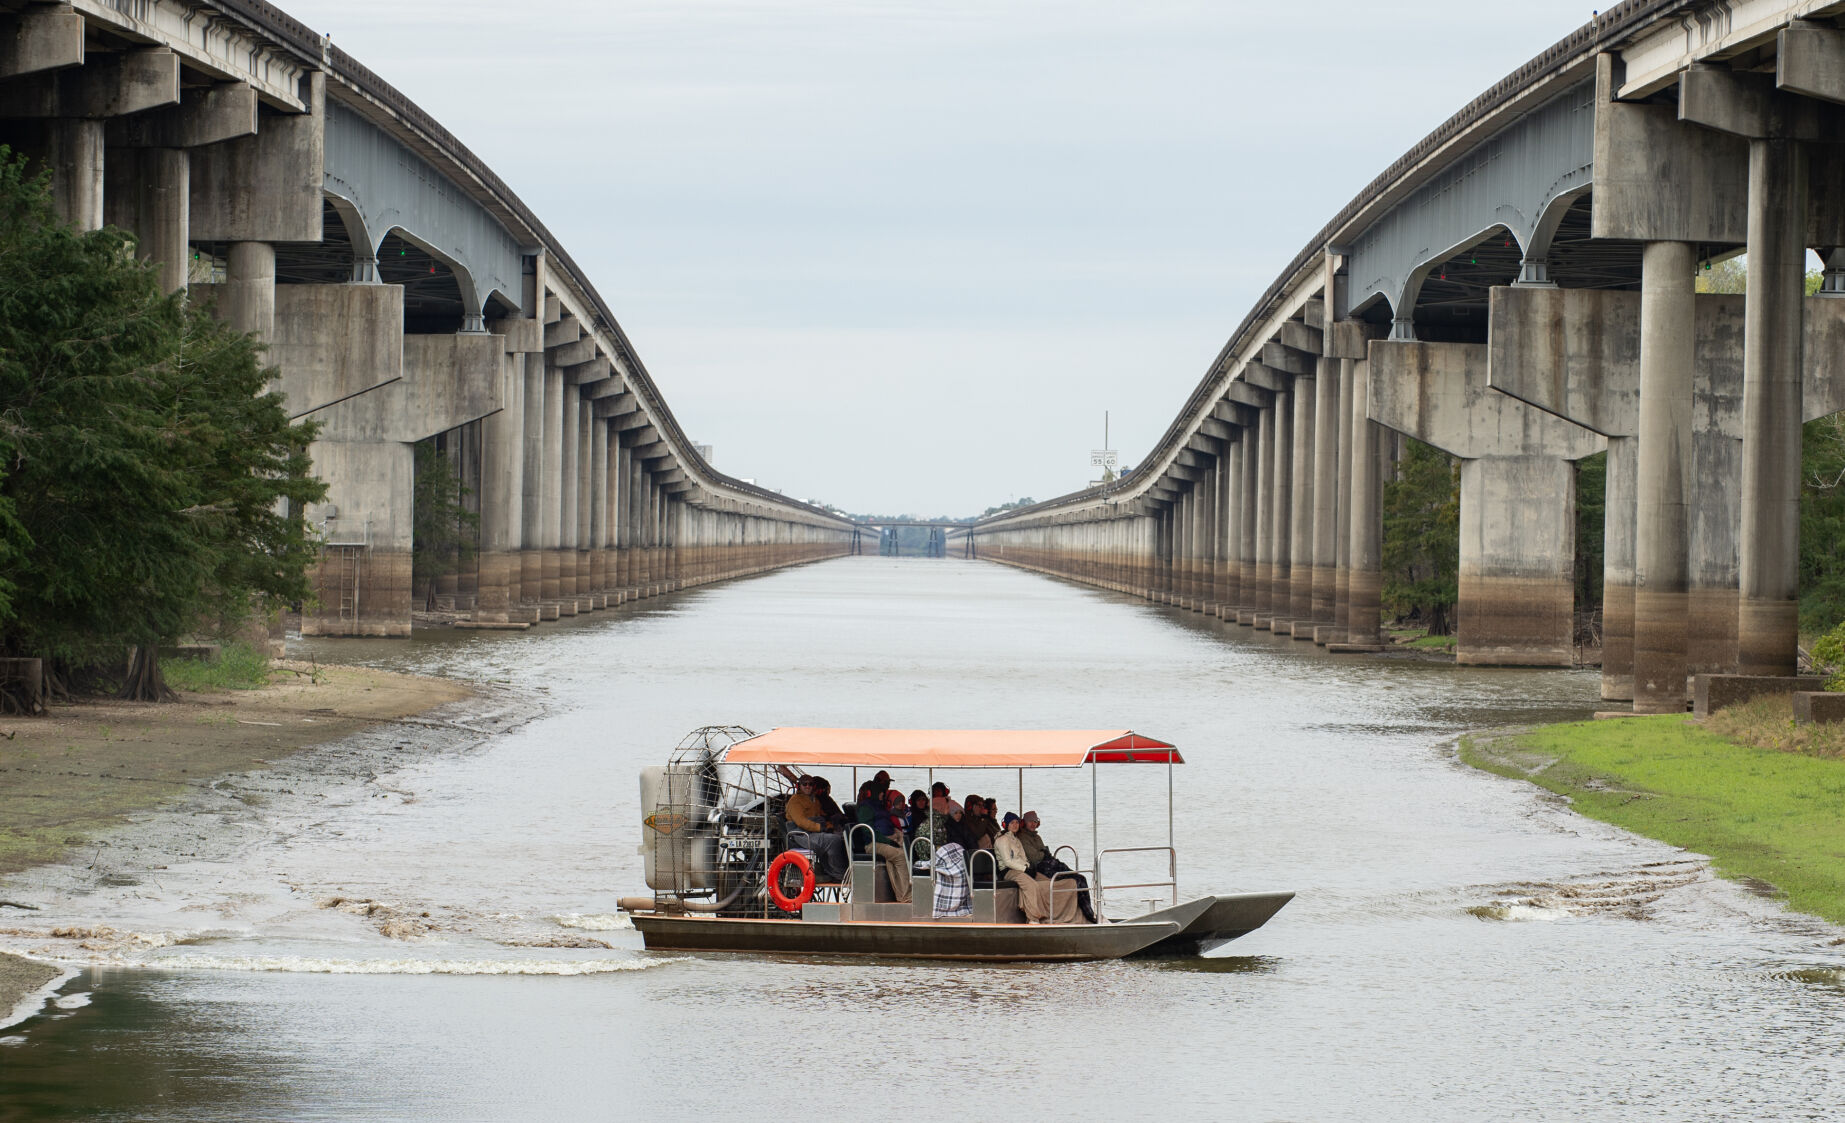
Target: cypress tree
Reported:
[(150, 470)]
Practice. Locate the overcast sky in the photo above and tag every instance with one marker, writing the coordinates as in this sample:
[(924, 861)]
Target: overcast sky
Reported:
[(901, 257)]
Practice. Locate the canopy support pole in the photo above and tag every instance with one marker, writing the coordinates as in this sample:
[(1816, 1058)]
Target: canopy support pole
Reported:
[(1095, 844)]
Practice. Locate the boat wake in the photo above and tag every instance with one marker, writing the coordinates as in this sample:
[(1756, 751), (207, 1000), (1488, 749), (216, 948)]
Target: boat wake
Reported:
[(1626, 893), (317, 965)]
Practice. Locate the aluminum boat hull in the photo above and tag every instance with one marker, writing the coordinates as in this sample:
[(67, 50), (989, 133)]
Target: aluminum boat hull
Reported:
[(1210, 922), (1189, 928), (922, 939)]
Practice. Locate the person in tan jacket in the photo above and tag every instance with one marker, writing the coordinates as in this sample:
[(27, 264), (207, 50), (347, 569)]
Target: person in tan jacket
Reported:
[(808, 829), (1034, 890)]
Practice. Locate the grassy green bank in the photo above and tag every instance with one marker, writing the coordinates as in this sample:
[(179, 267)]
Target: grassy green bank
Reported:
[(1772, 810)]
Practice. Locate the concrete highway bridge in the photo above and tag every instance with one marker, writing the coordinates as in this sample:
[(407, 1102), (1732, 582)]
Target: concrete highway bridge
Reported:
[(937, 544), (1518, 290), (405, 293)]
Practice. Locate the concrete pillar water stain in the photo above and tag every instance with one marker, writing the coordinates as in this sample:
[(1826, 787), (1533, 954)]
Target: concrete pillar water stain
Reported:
[(1768, 608), (1663, 471)]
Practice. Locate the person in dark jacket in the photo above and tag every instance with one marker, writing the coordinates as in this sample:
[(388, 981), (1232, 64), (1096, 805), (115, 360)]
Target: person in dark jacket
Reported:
[(873, 812)]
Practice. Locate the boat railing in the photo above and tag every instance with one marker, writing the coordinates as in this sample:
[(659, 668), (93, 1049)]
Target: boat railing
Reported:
[(871, 844), (973, 885), (1051, 896), (1172, 872)]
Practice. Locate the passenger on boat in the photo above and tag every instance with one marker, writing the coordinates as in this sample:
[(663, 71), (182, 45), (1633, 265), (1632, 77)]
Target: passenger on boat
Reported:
[(823, 791), (1034, 891), (934, 825), (977, 823), (945, 819), (1046, 864), (889, 843), (809, 829), (917, 814), (939, 790), (881, 783)]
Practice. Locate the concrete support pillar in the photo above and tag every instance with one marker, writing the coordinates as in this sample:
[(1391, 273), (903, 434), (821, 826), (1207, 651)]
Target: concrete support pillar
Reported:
[(1220, 532), (1281, 514), (1618, 569), (551, 481), (148, 195), (247, 301), (531, 482), (501, 507), (599, 472), (622, 484), (1205, 540), (1364, 581), (570, 485), (1325, 498), (1663, 472), (1517, 573), (1342, 531), (74, 153), (1768, 612), (582, 418), (1260, 539), (1230, 592), (1301, 512)]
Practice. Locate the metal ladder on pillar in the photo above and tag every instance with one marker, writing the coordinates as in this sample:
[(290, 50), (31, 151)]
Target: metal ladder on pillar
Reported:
[(348, 558)]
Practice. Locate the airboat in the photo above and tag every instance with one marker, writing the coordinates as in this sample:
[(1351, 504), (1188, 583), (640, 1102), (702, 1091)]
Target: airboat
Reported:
[(727, 875)]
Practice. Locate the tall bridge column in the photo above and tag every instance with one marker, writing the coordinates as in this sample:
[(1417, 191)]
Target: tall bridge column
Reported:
[(1220, 530), (598, 504), (1326, 456), (1230, 506), (1258, 476), (1281, 514), (1301, 473), (531, 482), (502, 485), (1518, 497), (569, 488), (1364, 579), (1665, 181), (551, 484), (1662, 538), (1768, 625)]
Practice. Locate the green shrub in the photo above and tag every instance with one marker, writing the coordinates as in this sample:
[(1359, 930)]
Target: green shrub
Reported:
[(1829, 652), (237, 667)]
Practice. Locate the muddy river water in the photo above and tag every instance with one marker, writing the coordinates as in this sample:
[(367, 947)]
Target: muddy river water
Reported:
[(427, 929)]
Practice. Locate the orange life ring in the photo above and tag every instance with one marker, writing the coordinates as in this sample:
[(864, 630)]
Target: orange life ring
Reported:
[(781, 862)]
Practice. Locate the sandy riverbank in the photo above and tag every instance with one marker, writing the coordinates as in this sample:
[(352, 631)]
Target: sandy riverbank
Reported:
[(84, 769)]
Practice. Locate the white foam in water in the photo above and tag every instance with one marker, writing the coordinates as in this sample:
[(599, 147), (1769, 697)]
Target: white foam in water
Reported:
[(616, 923), (32, 1003), (301, 964), (72, 1001)]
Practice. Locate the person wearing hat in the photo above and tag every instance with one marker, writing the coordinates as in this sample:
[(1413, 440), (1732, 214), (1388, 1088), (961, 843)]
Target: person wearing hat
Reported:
[(977, 823), (1034, 890)]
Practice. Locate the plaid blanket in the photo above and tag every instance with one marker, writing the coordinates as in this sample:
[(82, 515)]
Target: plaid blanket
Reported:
[(951, 886)]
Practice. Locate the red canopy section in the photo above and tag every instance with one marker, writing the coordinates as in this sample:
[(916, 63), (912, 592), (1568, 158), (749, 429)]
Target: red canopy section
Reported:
[(952, 748)]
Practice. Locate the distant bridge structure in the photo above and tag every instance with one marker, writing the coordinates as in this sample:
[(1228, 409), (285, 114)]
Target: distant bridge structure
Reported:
[(405, 294), (1518, 291), (939, 531)]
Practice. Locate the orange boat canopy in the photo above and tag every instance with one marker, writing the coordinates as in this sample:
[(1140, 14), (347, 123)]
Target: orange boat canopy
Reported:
[(952, 748)]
